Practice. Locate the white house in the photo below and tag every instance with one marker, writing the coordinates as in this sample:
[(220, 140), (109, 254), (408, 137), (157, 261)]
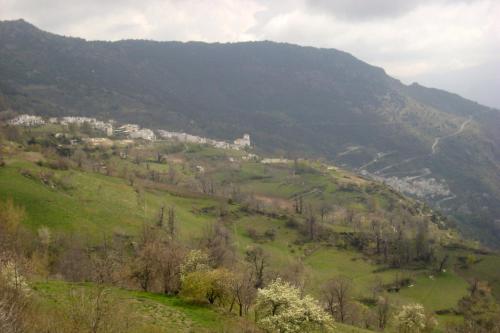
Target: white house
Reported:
[(144, 133), (126, 129), (243, 142)]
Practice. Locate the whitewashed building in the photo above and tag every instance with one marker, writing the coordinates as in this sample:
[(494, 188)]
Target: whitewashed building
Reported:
[(185, 137), (144, 133), (275, 161), (106, 127), (126, 129), (243, 142), (27, 120)]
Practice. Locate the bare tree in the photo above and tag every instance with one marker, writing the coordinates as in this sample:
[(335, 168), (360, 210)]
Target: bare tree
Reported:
[(161, 214), (337, 297), (74, 263), (13, 299), (349, 216), (171, 258), (377, 233), (382, 311), (311, 223), (171, 222), (299, 204), (442, 263), (324, 209), (216, 239), (243, 291), (144, 266), (296, 274), (258, 259), (96, 310), (172, 174), (80, 157)]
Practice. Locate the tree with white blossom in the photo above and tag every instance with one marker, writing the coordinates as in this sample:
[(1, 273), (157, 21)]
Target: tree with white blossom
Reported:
[(413, 319), (11, 277), (196, 261), (280, 308)]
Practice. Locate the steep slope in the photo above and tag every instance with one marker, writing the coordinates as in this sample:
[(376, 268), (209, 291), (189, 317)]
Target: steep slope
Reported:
[(97, 199), (291, 99)]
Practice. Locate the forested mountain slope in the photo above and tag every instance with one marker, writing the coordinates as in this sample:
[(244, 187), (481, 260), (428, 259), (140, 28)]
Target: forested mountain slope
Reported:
[(292, 100)]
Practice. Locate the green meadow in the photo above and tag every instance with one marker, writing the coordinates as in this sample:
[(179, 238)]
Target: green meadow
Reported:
[(96, 205)]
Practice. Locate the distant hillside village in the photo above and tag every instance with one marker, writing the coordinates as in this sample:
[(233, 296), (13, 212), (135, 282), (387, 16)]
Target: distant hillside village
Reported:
[(113, 133), (129, 131)]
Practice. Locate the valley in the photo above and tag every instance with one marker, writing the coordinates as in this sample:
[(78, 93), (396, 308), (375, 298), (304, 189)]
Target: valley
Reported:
[(312, 221), (332, 106), (254, 187)]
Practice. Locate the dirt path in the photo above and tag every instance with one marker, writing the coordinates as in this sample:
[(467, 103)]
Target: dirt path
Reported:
[(460, 130), (378, 172), (425, 172), (451, 197), (375, 160)]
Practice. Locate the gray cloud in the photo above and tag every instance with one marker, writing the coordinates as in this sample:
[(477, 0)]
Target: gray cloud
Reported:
[(372, 9), (362, 9)]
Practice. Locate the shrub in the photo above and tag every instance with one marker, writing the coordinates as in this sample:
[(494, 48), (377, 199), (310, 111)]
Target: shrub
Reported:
[(270, 234), (211, 286), (253, 234), (292, 223)]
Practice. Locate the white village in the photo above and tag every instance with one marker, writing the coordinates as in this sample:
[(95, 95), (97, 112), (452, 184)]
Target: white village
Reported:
[(128, 131), (125, 134)]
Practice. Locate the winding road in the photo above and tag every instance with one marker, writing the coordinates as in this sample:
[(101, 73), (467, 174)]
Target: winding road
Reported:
[(385, 171), (460, 130), (451, 197)]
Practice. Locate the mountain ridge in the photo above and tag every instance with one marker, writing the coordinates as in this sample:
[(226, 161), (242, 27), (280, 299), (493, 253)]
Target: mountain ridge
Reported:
[(292, 99)]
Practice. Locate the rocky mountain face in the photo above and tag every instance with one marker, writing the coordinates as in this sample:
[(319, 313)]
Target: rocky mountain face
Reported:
[(294, 100)]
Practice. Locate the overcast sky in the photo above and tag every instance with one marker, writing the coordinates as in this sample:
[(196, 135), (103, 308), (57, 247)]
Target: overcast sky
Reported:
[(449, 44)]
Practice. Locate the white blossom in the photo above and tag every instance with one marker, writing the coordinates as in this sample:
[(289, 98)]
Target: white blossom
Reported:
[(283, 310), (195, 261), (411, 319), (12, 277)]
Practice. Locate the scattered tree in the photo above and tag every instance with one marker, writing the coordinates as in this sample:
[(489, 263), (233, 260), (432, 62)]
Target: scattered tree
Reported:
[(280, 308), (258, 260), (337, 297), (382, 311), (211, 286), (413, 319)]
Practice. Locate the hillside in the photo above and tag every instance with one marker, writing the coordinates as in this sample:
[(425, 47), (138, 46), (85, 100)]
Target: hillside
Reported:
[(312, 220), (293, 101)]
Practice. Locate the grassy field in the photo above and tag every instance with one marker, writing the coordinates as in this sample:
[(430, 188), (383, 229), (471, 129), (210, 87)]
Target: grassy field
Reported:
[(436, 292), (94, 204), (160, 313), (485, 267), (151, 312)]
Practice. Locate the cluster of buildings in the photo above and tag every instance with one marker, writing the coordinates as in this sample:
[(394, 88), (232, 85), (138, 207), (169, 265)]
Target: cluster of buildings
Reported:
[(134, 131), (425, 188), (106, 127), (238, 144), (131, 131), (276, 161), (128, 130), (104, 142), (27, 120), (32, 121)]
